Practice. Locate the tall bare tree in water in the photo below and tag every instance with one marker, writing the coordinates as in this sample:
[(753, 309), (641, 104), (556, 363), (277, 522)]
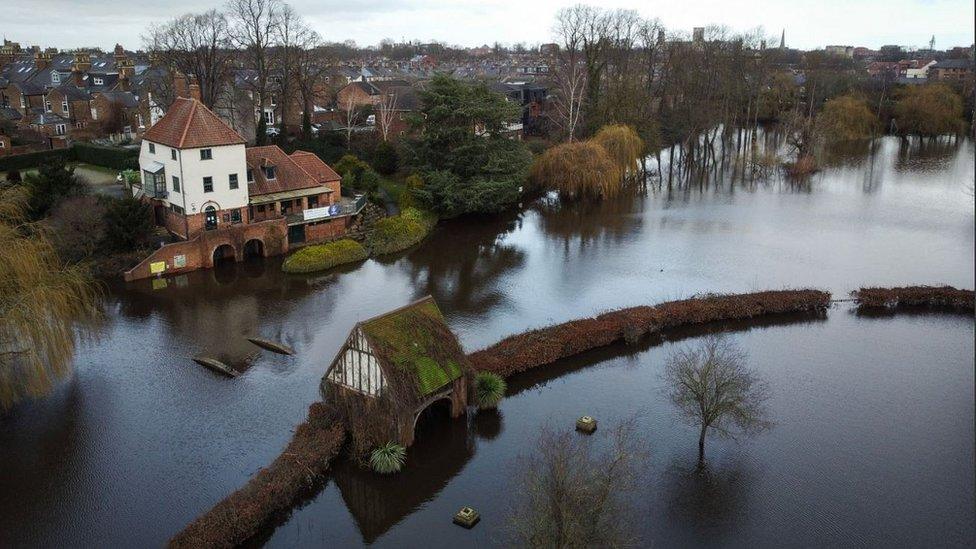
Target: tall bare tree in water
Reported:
[(254, 30), (715, 390), (42, 302), (194, 45)]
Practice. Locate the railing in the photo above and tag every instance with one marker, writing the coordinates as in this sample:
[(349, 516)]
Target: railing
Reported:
[(342, 208)]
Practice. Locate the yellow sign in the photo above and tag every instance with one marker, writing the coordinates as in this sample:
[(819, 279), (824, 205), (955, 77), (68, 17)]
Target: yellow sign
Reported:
[(157, 267)]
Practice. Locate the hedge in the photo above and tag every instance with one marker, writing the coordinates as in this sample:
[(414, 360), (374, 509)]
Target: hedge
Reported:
[(393, 234), (117, 159), (32, 160), (320, 257)]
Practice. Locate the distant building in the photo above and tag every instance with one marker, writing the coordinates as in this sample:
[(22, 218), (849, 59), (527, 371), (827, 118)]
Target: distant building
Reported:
[(698, 35), (840, 51), (952, 70)]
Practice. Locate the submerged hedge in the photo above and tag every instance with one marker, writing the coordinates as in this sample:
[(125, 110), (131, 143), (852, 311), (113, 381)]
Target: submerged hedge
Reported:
[(546, 345), (933, 296), (274, 489), (399, 232), (320, 257)]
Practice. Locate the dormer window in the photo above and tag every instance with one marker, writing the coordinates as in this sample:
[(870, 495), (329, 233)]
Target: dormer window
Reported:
[(98, 81), (55, 77), (269, 172)]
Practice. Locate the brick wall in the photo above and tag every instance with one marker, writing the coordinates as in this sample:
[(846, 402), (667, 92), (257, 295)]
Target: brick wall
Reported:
[(197, 253)]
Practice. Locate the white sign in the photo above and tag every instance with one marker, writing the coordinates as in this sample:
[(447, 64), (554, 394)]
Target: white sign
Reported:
[(316, 213)]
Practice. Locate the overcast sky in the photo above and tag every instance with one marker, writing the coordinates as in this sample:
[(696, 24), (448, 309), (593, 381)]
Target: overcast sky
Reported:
[(808, 23)]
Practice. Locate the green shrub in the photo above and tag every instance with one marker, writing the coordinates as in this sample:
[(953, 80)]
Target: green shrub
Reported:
[(489, 389), (393, 234), (33, 160), (117, 159), (320, 257), (385, 158), (131, 176), (388, 458), (128, 224)]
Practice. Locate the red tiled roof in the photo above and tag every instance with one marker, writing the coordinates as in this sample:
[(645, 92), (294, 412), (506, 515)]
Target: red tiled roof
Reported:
[(292, 173), (189, 124), (315, 167)]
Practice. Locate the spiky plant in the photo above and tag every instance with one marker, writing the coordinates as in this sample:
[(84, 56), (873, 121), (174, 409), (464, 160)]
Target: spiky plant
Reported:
[(42, 304), (388, 459), (489, 389)]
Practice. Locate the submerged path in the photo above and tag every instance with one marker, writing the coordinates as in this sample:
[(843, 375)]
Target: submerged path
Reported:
[(306, 460)]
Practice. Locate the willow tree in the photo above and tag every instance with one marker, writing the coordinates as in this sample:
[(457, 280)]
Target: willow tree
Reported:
[(42, 302), (930, 110), (847, 118), (577, 170), (623, 145)]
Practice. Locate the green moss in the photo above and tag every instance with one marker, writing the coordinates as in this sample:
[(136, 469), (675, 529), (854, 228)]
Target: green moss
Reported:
[(417, 340), (393, 234), (324, 256)]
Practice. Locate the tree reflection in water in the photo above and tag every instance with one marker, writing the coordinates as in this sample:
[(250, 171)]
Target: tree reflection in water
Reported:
[(463, 263), (710, 500)]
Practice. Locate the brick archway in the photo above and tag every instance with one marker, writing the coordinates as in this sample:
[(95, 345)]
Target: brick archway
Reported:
[(223, 252), (254, 247)]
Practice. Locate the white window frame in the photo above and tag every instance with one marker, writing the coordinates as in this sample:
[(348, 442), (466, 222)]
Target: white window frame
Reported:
[(60, 129), (48, 107), (98, 81), (269, 117), (55, 77), (65, 107)]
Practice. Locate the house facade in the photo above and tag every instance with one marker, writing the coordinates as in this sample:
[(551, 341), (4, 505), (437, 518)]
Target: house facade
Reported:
[(222, 200)]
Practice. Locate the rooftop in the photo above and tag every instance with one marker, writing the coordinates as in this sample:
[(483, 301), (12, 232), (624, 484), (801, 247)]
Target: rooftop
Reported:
[(189, 124)]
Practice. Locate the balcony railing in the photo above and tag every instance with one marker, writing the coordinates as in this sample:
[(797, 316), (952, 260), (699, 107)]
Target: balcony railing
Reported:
[(345, 206)]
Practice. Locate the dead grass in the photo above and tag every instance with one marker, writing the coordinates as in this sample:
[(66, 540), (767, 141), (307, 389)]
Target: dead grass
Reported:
[(932, 296), (274, 489), (546, 345)]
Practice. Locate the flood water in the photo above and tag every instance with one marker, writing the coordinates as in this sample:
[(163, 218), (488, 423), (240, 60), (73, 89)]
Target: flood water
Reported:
[(873, 438)]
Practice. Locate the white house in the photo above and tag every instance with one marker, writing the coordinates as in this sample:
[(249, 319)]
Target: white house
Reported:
[(194, 167)]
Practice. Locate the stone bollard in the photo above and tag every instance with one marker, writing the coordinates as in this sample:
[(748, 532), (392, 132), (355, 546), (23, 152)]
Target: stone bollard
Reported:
[(586, 424), (467, 517)]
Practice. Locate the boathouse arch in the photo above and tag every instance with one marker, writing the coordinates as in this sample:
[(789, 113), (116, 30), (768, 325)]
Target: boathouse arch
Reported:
[(223, 252), (254, 247)]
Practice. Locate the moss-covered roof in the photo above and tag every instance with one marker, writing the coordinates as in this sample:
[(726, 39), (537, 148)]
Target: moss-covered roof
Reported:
[(415, 342)]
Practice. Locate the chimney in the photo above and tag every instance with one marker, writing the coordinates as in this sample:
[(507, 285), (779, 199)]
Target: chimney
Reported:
[(127, 70), (194, 88), (41, 60), (81, 65)]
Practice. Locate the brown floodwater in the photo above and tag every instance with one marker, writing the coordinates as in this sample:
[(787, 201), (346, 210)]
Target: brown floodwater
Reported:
[(873, 438)]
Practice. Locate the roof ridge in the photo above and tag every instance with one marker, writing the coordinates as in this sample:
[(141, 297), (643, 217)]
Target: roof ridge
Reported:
[(189, 121), (402, 308)]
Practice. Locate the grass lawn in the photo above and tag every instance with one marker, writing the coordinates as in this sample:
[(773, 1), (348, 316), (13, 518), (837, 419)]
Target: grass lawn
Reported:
[(320, 257)]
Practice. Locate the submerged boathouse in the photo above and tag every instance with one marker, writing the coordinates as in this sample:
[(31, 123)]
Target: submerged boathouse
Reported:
[(394, 366)]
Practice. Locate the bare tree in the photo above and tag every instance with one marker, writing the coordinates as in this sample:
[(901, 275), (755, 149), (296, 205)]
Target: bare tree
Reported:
[(574, 491), (350, 115), (311, 72), (386, 111), (194, 45), (294, 37), (714, 389), (255, 24)]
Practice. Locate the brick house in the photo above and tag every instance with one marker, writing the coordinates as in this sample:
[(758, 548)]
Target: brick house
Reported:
[(227, 201), (952, 70)]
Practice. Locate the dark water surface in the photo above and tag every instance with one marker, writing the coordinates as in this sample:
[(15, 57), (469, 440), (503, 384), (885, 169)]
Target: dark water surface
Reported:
[(873, 443)]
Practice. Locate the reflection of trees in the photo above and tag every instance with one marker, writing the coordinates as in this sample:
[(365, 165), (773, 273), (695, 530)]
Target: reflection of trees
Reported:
[(378, 502), (591, 221), (45, 439), (462, 264), (709, 499), (925, 153), (204, 311)]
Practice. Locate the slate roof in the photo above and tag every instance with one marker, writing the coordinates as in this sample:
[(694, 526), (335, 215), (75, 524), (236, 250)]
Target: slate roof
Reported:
[(126, 99), (189, 124), (290, 171), (954, 64)]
